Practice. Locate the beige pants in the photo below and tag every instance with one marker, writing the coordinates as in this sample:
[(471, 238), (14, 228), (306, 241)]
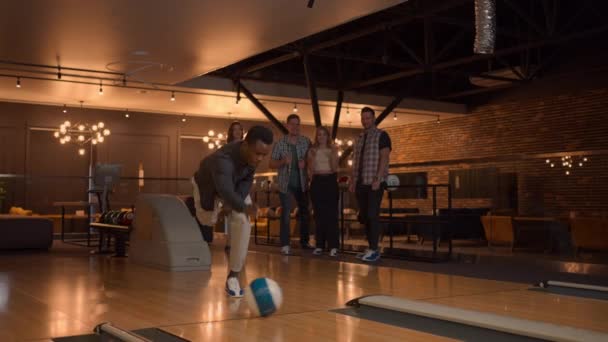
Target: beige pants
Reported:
[(239, 228)]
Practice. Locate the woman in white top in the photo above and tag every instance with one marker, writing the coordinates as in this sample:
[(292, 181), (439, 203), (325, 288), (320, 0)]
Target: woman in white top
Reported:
[(322, 169)]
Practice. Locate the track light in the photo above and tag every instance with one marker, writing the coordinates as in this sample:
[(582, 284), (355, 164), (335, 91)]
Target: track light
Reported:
[(172, 96), (18, 85), (100, 88)]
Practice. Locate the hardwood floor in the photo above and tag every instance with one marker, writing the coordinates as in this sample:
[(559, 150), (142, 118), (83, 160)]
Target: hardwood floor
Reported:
[(68, 291)]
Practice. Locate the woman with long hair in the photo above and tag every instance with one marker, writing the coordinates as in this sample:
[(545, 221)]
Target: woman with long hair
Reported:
[(235, 132), (323, 171)]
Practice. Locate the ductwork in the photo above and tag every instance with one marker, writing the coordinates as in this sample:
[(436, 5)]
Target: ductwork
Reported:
[(485, 26)]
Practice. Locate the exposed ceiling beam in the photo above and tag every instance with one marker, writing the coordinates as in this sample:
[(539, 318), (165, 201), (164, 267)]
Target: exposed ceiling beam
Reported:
[(477, 58), (261, 107), (312, 90), (389, 109), (355, 35)]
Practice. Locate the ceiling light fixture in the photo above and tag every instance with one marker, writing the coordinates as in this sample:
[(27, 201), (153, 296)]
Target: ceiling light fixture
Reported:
[(81, 134), (295, 107), (100, 87), (65, 108), (172, 96), (395, 116), (18, 85)]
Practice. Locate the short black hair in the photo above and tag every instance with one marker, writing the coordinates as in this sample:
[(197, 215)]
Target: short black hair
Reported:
[(255, 133), (293, 116), (368, 109)]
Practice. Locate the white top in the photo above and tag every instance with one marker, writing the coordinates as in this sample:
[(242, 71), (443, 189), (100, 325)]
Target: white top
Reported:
[(322, 160)]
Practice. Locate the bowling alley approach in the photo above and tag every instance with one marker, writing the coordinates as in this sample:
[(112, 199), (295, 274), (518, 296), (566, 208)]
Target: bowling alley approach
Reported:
[(303, 170)]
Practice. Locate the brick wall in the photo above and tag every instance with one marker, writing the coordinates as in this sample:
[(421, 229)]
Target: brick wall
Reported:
[(517, 137)]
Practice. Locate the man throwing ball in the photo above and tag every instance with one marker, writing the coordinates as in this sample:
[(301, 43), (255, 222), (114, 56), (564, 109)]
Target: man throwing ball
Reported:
[(226, 176)]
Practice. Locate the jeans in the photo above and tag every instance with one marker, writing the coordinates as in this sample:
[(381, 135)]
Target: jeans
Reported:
[(369, 211), (303, 214)]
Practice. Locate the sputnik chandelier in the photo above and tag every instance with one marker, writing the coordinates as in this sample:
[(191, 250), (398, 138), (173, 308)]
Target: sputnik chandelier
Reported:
[(568, 163), (81, 134), (214, 140)]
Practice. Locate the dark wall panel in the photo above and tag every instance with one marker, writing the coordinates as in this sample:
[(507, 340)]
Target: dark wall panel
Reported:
[(49, 164)]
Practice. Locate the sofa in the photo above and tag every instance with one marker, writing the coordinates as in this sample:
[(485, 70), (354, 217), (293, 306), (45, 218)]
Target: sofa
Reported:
[(25, 232)]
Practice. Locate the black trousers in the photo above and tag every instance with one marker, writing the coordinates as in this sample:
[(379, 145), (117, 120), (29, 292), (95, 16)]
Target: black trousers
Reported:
[(369, 211), (324, 196)]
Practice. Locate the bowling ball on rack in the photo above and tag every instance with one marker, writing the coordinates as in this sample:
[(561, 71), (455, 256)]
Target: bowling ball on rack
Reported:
[(127, 219)]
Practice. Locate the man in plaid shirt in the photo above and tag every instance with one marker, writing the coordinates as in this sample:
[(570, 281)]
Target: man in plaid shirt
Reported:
[(370, 169), (289, 158)]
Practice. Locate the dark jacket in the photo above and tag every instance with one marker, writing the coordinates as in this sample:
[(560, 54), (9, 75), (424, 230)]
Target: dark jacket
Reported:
[(225, 175)]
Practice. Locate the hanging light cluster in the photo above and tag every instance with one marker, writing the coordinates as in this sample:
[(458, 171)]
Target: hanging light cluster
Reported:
[(341, 148), (214, 140), (568, 163), (81, 134)]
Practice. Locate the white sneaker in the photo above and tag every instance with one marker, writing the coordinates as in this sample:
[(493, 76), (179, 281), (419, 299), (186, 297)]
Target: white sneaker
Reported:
[(371, 256), (233, 288), (360, 255), (333, 252), (317, 251), (285, 250)]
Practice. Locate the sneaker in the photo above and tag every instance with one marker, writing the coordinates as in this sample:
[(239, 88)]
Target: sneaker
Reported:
[(333, 252), (233, 288), (285, 250), (371, 256), (361, 254), (317, 251)]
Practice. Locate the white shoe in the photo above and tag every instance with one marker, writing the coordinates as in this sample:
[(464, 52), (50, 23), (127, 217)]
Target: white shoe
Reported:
[(360, 255), (333, 252), (317, 251), (371, 256), (285, 250), (233, 288)]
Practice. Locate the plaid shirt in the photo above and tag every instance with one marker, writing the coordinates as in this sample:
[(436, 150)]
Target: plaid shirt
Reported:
[(280, 150), (371, 158)]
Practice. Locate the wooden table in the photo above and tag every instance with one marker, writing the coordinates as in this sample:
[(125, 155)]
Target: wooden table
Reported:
[(545, 225), (77, 204)]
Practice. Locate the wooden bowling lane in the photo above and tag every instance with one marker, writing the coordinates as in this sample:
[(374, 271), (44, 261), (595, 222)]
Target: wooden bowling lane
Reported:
[(571, 311), (309, 326), (68, 292)]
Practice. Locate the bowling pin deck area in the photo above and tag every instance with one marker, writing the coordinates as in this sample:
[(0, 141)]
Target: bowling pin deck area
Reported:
[(68, 292)]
